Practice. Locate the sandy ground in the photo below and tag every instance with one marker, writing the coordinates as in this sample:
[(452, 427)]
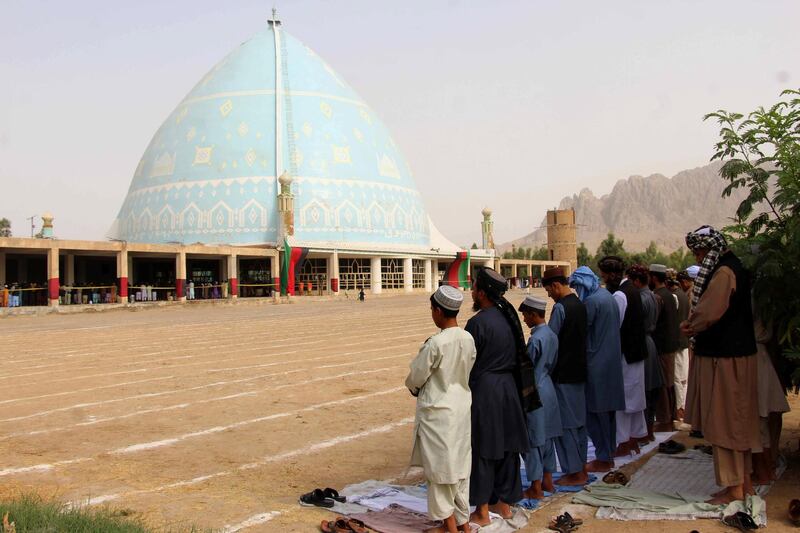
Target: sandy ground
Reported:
[(220, 415)]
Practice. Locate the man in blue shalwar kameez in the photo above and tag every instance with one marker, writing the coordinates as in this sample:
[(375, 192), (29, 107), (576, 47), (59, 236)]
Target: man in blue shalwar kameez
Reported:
[(544, 423), (568, 322), (605, 390)]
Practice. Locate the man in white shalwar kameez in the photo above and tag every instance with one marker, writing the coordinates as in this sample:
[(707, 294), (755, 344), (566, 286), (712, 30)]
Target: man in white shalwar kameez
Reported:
[(439, 378)]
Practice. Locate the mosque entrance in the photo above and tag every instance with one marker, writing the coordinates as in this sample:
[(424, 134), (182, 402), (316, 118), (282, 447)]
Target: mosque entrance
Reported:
[(152, 279), (26, 279), (313, 277), (87, 279), (255, 277), (203, 279)]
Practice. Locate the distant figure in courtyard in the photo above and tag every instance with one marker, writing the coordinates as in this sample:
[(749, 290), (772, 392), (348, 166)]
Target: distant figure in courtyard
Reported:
[(605, 391), (722, 400), (544, 423), (439, 378), (568, 322), (361, 295), (499, 433)]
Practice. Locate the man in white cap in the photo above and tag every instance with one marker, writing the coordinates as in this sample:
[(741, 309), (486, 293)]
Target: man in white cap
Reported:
[(439, 378), (544, 423)]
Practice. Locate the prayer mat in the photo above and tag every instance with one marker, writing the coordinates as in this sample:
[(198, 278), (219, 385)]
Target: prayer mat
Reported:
[(668, 487)]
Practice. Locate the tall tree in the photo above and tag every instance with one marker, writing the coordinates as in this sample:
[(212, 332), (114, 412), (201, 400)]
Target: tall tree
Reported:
[(761, 154), (584, 257), (5, 227), (611, 246)]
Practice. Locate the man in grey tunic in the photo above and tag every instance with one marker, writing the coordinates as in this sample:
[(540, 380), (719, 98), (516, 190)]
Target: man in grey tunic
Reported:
[(605, 392)]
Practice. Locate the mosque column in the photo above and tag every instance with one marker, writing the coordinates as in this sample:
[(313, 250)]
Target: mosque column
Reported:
[(233, 276), (3, 280), (274, 268), (434, 274), (52, 276), (180, 276), (333, 273), (122, 274), (375, 275), (408, 274), (428, 276)]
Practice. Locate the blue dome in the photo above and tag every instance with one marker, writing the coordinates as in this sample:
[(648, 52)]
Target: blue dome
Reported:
[(209, 173)]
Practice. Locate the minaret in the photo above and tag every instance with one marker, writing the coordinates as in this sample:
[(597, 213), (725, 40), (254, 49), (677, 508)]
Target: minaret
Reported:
[(487, 229), (285, 208)]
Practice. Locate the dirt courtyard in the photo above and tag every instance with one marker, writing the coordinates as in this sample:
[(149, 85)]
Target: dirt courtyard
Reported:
[(219, 415)]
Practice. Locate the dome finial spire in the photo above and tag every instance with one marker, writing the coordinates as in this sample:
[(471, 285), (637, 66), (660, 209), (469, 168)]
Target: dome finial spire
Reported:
[(274, 20)]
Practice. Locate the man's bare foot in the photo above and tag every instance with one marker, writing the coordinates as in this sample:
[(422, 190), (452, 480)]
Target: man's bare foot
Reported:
[(464, 528), (574, 480), (731, 494), (501, 508), (547, 482), (599, 466), (634, 444), (623, 450), (481, 515), (448, 526), (534, 492), (681, 413)]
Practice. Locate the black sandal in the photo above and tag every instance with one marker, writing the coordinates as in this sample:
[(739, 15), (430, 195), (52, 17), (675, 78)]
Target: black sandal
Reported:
[(564, 523), (333, 495), (671, 447), (741, 521), (316, 498)]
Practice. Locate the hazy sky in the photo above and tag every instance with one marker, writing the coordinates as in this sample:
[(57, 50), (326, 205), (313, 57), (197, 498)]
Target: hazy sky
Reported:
[(510, 104)]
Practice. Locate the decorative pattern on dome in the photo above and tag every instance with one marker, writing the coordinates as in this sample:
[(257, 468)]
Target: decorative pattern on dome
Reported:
[(208, 174)]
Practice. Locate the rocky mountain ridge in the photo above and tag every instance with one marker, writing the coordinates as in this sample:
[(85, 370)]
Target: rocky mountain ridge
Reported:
[(643, 209)]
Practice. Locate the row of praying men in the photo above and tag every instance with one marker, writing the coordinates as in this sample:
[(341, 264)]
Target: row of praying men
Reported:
[(612, 364)]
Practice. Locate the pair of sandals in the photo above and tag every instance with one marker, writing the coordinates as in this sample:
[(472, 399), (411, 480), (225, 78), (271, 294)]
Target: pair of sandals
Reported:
[(343, 525), (671, 447), (615, 477), (325, 498), (564, 523)]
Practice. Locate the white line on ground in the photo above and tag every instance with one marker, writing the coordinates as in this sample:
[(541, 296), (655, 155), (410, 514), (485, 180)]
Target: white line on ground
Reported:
[(319, 446), (254, 520), (91, 389)]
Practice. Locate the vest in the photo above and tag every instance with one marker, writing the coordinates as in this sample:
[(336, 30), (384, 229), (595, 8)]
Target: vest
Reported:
[(632, 335), (571, 365), (732, 335), (683, 314), (667, 328)]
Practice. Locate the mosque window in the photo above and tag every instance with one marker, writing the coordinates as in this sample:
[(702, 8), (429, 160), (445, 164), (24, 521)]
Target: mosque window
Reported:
[(392, 273), (354, 274), (418, 273), (314, 271)]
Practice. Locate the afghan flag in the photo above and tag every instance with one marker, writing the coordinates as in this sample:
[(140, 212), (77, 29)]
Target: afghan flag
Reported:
[(458, 273), (291, 265)]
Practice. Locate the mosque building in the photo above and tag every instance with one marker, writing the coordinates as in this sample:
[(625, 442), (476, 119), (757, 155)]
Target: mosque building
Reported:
[(271, 176)]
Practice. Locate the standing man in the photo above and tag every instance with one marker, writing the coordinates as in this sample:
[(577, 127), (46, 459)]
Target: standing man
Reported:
[(568, 322), (666, 337), (630, 422), (439, 378), (682, 355), (722, 401), (544, 423), (499, 432), (605, 391), (653, 377)]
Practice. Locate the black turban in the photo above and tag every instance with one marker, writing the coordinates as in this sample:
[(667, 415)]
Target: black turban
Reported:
[(490, 282), (611, 264)]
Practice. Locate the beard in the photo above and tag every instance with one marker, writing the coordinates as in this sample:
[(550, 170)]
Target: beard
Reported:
[(475, 306)]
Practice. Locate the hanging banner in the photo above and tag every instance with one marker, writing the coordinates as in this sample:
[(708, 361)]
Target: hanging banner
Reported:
[(458, 273), (291, 265)]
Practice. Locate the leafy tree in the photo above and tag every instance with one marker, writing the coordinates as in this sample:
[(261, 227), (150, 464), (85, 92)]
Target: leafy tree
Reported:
[(474, 246), (541, 254), (5, 227), (584, 257), (761, 154), (611, 246)]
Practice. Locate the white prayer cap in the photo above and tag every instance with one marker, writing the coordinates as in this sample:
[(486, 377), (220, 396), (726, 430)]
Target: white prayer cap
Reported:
[(655, 267), (693, 271), (532, 302), (448, 297)]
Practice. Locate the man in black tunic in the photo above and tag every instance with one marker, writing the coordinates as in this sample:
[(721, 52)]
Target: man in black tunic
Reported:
[(499, 432)]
